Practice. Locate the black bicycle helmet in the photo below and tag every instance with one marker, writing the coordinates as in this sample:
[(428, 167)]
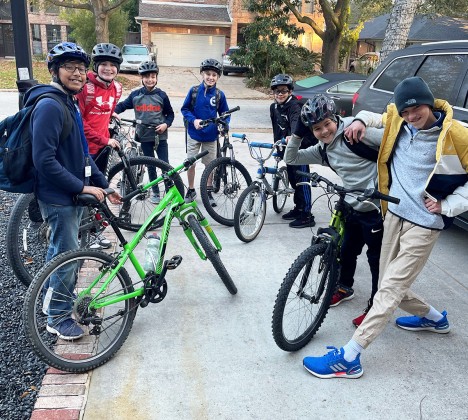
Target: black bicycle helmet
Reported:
[(211, 64), (106, 52), (148, 67), (317, 109), (66, 51), (282, 80)]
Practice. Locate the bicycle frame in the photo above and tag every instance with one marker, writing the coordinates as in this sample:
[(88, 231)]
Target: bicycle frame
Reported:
[(177, 208)]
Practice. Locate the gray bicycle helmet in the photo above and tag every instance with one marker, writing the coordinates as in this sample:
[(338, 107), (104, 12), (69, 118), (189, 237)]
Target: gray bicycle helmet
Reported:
[(211, 64), (317, 109), (148, 67), (66, 51), (282, 79), (106, 52)]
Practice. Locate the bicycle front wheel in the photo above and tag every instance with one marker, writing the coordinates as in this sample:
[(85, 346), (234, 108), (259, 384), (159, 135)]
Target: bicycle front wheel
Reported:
[(250, 213), (55, 303), (131, 215), (280, 185), (211, 253), (229, 179), (27, 237), (304, 298)]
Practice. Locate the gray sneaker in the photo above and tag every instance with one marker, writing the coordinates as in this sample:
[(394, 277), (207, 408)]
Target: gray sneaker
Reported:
[(211, 199), (190, 195), (155, 199)]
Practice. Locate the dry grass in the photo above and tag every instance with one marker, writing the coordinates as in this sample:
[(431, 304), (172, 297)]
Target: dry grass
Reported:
[(41, 74)]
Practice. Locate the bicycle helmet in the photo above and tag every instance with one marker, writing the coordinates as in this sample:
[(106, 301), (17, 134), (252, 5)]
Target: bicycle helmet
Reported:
[(66, 51), (282, 79), (148, 67), (317, 109), (106, 52), (211, 64)]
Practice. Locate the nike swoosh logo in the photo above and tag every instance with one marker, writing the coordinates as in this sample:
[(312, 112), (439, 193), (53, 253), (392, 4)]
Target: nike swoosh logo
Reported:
[(375, 231)]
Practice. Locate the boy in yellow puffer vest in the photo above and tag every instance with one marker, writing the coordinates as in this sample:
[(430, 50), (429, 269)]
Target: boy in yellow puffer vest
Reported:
[(423, 160)]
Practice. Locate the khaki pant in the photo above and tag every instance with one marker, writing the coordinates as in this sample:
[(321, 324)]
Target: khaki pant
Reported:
[(405, 250)]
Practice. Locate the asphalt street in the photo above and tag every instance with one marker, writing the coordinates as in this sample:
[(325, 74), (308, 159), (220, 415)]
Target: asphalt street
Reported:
[(204, 354)]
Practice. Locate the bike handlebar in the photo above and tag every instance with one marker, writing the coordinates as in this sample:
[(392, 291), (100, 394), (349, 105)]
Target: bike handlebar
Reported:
[(366, 193), (134, 123), (222, 117)]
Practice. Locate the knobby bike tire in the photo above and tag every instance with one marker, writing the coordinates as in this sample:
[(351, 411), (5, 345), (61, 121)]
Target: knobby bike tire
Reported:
[(229, 179), (211, 253), (27, 240), (312, 277), (94, 348), (280, 183), (130, 216), (250, 213)]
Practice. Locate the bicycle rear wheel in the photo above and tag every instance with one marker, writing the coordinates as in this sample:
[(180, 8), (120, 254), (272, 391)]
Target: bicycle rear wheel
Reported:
[(304, 298), (250, 213), (131, 215), (229, 179), (280, 185), (27, 237), (211, 253), (105, 329)]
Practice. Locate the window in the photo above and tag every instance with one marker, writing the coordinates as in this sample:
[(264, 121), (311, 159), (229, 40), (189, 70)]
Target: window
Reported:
[(441, 73), (399, 69), (53, 36), (350, 87), (36, 39)]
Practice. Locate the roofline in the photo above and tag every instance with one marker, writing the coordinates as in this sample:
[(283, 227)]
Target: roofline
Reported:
[(184, 21), (169, 3), (445, 42)]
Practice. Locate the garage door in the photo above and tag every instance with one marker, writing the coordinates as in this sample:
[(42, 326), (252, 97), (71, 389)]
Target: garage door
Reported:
[(187, 50)]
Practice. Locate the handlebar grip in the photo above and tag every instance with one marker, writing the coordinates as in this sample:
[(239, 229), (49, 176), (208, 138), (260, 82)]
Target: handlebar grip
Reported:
[(230, 111), (386, 197), (238, 135), (261, 145), (201, 154), (190, 161), (304, 174)]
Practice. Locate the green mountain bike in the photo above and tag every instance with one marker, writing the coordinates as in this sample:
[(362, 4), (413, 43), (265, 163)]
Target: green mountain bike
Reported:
[(305, 295), (102, 297)]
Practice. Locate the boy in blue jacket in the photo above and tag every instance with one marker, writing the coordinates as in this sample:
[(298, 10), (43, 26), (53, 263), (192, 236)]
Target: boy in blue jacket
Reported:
[(209, 102), (151, 106), (63, 170)]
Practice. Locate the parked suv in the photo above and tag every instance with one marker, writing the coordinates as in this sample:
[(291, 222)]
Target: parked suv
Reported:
[(443, 65), (133, 55), (229, 67)]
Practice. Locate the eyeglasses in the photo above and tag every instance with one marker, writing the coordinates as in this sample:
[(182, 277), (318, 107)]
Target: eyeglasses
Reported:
[(280, 92), (70, 68)]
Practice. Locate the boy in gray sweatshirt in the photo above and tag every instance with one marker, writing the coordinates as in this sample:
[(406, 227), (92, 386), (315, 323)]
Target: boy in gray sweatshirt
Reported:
[(364, 224)]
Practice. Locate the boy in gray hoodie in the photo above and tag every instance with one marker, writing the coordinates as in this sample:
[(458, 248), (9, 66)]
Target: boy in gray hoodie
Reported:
[(364, 224)]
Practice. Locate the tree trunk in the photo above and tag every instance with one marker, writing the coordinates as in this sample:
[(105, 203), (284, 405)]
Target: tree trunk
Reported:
[(102, 26), (331, 52), (398, 26)]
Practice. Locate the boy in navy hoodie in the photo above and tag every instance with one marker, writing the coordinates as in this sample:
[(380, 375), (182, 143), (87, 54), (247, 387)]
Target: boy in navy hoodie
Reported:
[(63, 170), (209, 102)]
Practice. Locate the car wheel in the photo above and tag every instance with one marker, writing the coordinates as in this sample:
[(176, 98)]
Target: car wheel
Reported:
[(225, 73)]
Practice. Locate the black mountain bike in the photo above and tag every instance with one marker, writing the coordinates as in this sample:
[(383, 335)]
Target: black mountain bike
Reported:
[(229, 177), (305, 295)]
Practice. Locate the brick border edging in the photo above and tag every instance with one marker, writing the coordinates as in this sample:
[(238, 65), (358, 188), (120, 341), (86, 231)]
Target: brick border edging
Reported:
[(63, 395)]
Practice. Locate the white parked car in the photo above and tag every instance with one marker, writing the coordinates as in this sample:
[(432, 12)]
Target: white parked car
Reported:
[(133, 55)]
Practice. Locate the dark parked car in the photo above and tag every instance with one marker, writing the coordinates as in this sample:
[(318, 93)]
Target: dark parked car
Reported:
[(443, 65), (228, 66), (338, 86)]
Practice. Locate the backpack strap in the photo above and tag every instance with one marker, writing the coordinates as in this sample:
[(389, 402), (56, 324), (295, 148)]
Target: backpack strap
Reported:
[(194, 97), (68, 121), (362, 150), (323, 153)]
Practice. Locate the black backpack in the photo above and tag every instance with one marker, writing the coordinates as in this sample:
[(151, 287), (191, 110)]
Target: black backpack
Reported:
[(16, 165)]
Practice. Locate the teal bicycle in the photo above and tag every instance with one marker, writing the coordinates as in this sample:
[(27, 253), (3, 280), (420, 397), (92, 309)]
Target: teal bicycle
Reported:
[(97, 290)]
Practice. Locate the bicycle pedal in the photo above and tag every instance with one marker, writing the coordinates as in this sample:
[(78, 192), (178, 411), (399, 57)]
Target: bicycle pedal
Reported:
[(174, 262)]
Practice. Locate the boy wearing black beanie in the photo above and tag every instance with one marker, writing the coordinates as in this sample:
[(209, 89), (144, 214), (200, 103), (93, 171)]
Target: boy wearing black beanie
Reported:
[(423, 161)]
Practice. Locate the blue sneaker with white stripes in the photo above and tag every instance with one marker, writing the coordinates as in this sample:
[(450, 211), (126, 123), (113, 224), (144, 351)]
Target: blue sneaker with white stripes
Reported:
[(416, 323), (333, 365)]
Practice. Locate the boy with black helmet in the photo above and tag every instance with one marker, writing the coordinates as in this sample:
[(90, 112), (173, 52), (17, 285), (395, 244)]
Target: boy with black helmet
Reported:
[(151, 106), (63, 170), (209, 102), (364, 224), (284, 113), (97, 102)]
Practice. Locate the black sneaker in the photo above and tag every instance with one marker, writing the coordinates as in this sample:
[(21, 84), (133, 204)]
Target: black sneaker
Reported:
[(211, 199), (190, 195), (292, 214), (303, 221)]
